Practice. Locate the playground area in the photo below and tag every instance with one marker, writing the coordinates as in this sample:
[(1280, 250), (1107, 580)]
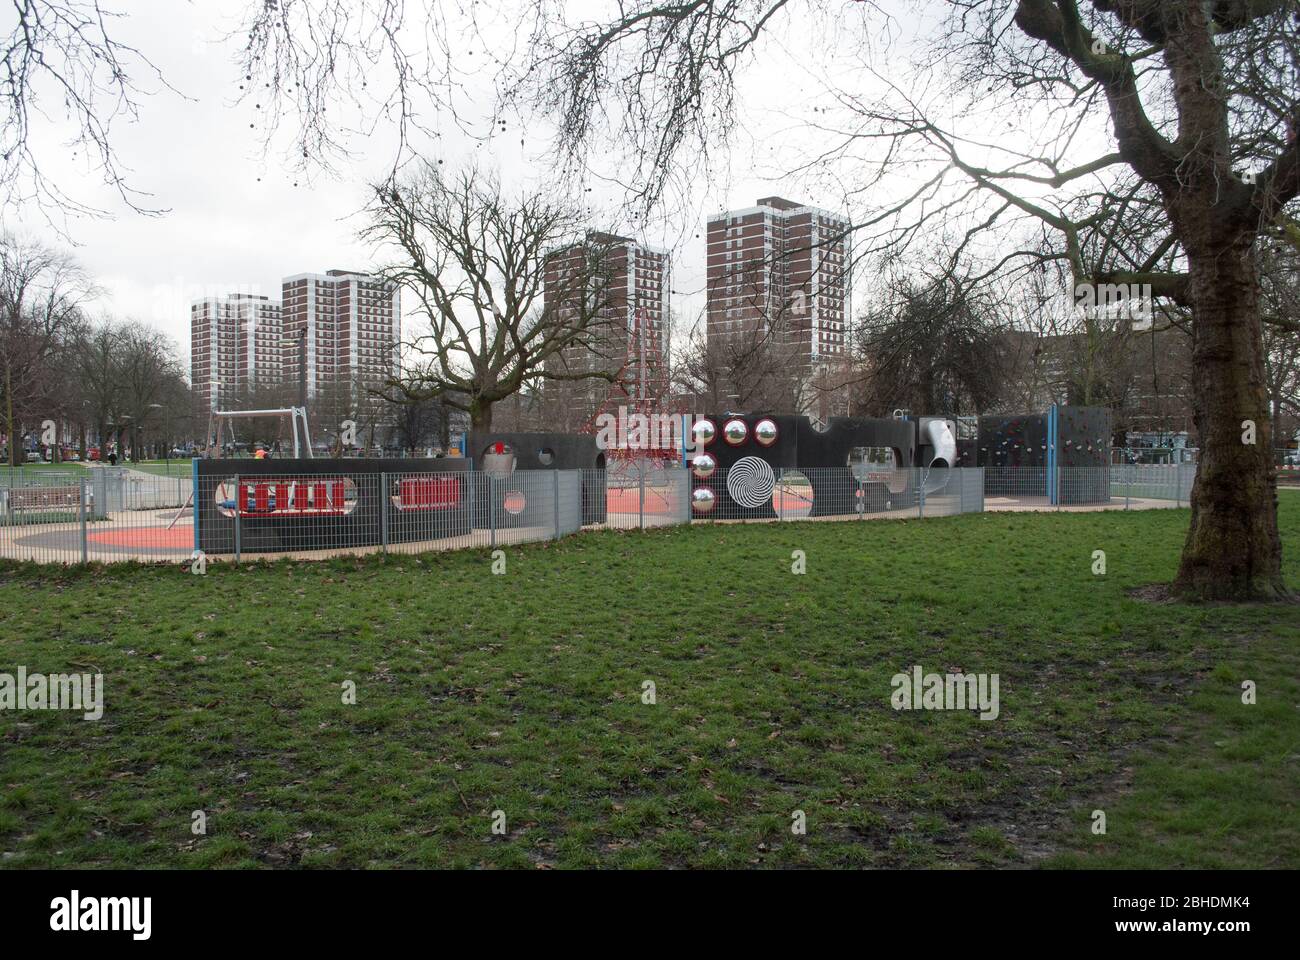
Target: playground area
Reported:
[(107, 515)]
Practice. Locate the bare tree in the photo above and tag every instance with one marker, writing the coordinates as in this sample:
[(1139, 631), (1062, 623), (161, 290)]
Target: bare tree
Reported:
[(95, 357), (934, 346), (320, 72), (1201, 106), (148, 371), (756, 369), (1280, 302), (331, 70), (420, 423), (476, 263), (65, 56), (42, 296)]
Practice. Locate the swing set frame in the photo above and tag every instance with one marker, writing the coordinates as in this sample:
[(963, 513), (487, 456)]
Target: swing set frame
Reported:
[(296, 415)]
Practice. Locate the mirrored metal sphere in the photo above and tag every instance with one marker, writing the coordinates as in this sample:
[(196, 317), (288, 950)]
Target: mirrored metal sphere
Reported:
[(765, 432), (735, 432), (704, 431), (703, 499), (703, 465)]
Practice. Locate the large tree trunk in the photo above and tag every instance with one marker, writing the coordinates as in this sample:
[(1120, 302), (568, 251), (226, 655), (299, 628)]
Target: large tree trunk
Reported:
[(1233, 551), (480, 416)]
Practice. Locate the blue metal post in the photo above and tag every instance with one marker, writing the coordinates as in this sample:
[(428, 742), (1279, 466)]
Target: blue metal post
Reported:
[(1052, 493)]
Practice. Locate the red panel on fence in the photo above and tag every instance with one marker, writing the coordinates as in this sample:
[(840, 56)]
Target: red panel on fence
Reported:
[(304, 497), (428, 493)]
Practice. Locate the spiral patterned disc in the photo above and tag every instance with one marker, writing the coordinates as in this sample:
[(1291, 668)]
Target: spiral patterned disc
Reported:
[(750, 482)]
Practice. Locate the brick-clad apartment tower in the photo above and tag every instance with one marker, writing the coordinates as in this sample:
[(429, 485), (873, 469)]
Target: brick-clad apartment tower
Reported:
[(235, 348), (639, 277), (353, 324), (779, 268)]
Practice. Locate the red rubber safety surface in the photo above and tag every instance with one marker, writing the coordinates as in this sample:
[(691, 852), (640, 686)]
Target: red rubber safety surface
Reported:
[(176, 537)]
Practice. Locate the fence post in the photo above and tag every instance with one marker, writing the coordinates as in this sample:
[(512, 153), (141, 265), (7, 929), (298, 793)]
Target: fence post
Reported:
[(641, 506), (471, 481), (1128, 487), (238, 510), (81, 517), (383, 510), (920, 488), (555, 489), (492, 508)]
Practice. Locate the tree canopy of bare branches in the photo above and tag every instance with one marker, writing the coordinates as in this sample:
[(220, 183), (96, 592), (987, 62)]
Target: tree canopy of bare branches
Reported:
[(62, 60), (316, 73), (933, 346), (43, 293), (475, 260)]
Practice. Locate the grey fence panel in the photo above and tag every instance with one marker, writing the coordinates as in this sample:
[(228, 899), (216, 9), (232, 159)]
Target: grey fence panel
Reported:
[(41, 515), (972, 489), (570, 500), (1153, 481), (810, 493), (624, 509), (1084, 486), (943, 491), (72, 518), (426, 511), (524, 507), (666, 496), (1015, 486)]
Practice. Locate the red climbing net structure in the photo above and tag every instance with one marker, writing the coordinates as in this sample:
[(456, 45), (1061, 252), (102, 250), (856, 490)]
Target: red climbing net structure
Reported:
[(640, 396)]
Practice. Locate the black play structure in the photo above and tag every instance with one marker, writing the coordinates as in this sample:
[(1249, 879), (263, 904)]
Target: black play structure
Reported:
[(737, 455), (746, 450), (1039, 444), (540, 451), (286, 505)]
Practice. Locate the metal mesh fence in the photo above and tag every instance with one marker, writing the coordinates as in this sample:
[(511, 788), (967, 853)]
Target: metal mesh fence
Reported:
[(1153, 481), (751, 493), (109, 514), (98, 514), (1015, 487)]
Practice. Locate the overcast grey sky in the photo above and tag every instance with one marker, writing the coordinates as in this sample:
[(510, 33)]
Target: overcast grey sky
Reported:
[(237, 221)]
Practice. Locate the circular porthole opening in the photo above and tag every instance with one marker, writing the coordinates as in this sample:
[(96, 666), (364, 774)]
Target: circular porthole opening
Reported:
[(499, 460), (546, 456), (792, 497)]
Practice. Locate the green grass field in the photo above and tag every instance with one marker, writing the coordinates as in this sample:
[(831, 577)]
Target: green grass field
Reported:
[(523, 693), (161, 468), (16, 476)]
